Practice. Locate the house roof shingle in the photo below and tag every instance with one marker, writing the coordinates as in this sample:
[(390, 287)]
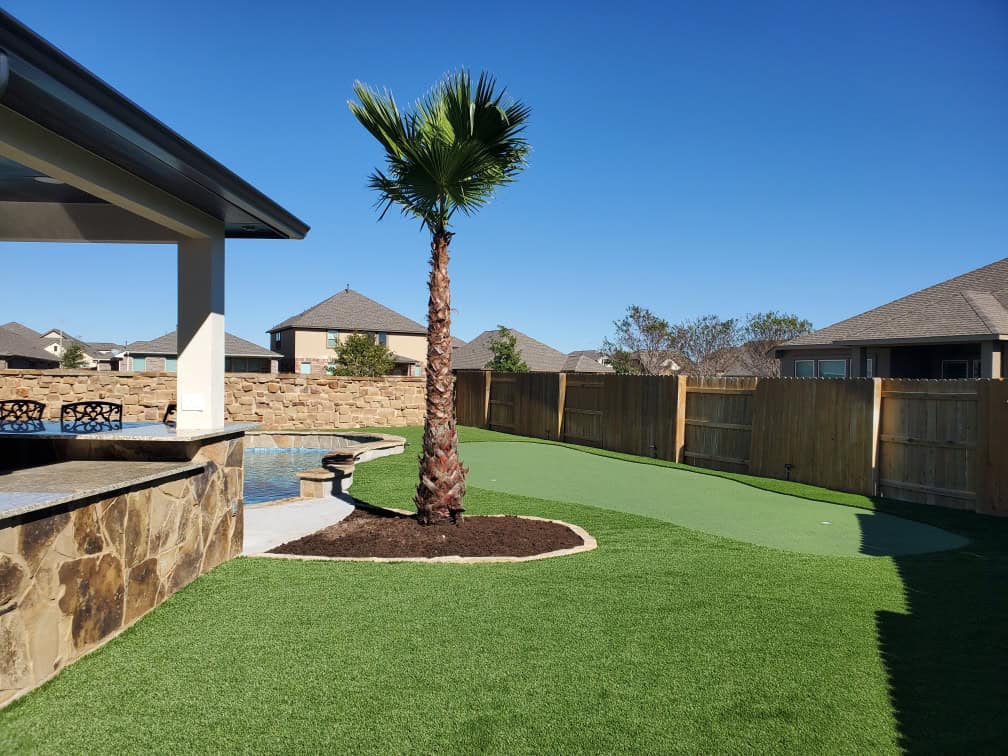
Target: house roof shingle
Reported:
[(582, 362), (13, 344), (349, 310), (974, 304), (22, 330), (538, 356), (167, 345)]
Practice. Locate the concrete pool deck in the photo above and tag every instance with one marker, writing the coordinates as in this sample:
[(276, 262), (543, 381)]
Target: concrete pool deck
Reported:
[(269, 525), (694, 500)]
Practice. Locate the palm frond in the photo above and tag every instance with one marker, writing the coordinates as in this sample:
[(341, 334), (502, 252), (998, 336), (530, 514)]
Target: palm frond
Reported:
[(451, 153)]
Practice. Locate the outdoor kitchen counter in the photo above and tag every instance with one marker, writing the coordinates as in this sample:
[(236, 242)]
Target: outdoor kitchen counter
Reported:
[(36, 488), (131, 431)]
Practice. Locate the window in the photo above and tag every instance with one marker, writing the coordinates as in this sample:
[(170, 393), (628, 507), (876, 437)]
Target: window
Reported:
[(331, 339), (382, 338), (236, 365), (171, 364), (954, 369), (276, 339), (870, 368), (139, 364), (832, 368), (415, 371), (305, 368), (976, 369), (804, 368)]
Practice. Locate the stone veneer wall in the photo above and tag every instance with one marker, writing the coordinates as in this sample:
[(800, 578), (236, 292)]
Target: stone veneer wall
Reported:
[(75, 576), (277, 401)]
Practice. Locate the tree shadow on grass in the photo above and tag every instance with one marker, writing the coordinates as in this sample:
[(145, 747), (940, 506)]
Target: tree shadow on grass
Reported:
[(947, 655)]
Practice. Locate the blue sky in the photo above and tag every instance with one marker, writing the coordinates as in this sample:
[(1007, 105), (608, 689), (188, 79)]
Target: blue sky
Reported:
[(820, 158)]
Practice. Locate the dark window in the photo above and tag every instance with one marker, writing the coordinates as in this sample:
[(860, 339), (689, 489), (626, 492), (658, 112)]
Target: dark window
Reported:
[(954, 369), (832, 368)]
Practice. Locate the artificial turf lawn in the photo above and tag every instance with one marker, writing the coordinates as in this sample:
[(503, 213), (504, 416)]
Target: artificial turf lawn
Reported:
[(662, 639), (710, 503)]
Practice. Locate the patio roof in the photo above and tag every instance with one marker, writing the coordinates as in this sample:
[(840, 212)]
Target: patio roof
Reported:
[(79, 162), (45, 86)]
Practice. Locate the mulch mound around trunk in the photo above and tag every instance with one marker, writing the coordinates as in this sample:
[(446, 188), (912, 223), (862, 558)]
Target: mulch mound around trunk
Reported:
[(381, 533)]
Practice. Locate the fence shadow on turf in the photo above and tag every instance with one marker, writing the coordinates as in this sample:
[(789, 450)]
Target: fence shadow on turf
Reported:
[(946, 657)]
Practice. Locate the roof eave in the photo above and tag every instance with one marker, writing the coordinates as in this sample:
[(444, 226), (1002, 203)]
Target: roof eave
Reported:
[(907, 341), (48, 87)]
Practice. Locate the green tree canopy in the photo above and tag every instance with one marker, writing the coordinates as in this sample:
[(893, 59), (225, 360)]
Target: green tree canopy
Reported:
[(507, 356), (360, 355), (73, 356)]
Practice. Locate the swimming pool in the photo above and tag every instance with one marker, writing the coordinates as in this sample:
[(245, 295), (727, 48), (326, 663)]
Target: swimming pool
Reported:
[(272, 473)]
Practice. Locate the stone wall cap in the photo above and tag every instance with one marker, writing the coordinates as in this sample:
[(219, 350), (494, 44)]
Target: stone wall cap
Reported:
[(36, 488)]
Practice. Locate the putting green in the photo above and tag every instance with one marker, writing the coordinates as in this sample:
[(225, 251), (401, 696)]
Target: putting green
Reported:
[(702, 502)]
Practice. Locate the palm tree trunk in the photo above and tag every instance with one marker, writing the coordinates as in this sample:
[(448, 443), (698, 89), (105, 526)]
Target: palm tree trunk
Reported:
[(442, 476)]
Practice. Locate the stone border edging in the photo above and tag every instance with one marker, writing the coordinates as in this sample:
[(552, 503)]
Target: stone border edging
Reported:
[(588, 544)]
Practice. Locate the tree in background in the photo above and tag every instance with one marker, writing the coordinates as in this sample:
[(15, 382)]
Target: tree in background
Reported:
[(360, 355), (507, 357), (764, 331), (451, 153), (73, 356), (709, 342), (641, 344)]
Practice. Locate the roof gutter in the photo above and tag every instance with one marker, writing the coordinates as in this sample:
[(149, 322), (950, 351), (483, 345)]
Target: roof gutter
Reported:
[(909, 341), (48, 87)]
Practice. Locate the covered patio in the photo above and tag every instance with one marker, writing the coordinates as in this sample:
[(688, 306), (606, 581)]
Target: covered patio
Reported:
[(96, 528)]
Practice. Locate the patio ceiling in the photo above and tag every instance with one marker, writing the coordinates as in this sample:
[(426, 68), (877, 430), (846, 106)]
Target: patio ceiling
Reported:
[(42, 87)]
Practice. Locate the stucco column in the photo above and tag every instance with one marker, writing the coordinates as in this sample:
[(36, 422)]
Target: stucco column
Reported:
[(991, 354), (200, 364)]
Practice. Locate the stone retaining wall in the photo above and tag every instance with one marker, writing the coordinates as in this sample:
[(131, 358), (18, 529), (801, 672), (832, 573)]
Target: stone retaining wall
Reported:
[(277, 401), (74, 576)]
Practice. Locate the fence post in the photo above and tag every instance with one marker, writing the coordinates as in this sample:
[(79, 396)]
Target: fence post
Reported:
[(875, 429), (680, 419), (487, 378), (561, 401), (992, 447)]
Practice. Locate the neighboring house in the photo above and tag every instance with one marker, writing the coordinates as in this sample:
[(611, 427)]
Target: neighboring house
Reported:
[(954, 329), (96, 355), (662, 362), (54, 342), (538, 356), (20, 351), (161, 354), (308, 341)]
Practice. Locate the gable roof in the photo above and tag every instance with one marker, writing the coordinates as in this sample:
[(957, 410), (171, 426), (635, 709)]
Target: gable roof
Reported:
[(349, 310), (22, 330), (167, 345), (538, 356), (973, 305), (13, 344)]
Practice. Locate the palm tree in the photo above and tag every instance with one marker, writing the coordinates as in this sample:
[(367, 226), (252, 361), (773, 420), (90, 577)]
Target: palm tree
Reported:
[(450, 153)]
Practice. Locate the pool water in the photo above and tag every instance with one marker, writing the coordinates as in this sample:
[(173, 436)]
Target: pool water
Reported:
[(272, 473)]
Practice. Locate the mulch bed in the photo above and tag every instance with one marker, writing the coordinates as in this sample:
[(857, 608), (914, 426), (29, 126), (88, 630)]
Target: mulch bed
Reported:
[(381, 533)]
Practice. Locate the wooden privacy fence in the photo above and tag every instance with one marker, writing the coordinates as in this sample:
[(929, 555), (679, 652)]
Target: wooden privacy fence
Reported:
[(933, 442)]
